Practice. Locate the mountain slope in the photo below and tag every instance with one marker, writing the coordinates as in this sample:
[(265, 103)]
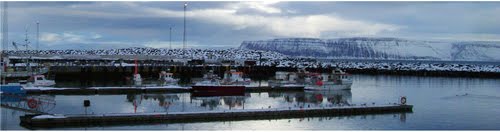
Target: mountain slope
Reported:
[(380, 48)]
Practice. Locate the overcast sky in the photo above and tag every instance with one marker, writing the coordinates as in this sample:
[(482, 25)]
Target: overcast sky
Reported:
[(83, 25)]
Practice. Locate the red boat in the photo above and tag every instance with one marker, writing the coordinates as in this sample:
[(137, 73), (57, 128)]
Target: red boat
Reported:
[(218, 90), (211, 86)]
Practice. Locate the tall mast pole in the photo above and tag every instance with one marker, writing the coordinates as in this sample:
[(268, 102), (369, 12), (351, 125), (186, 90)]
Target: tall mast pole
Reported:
[(184, 36), (26, 37), (5, 27), (5, 40)]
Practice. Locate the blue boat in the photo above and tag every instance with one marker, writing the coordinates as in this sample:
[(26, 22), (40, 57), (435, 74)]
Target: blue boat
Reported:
[(12, 89)]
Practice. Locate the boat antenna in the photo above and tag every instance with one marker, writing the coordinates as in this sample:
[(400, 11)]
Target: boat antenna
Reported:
[(26, 36), (170, 38), (37, 35), (27, 42)]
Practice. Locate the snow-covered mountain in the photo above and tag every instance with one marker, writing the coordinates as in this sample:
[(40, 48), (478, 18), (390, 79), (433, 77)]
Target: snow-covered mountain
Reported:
[(380, 48)]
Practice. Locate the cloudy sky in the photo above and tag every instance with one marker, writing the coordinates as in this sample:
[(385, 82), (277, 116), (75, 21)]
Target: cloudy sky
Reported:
[(84, 25)]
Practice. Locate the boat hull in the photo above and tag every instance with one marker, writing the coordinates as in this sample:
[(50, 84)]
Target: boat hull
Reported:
[(330, 87), (281, 83), (223, 90), (12, 89)]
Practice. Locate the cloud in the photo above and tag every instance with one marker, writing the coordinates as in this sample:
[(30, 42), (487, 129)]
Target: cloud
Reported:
[(50, 37), (261, 6), (175, 44), (163, 44), (68, 37), (287, 26), (226, 24), (313, 25)]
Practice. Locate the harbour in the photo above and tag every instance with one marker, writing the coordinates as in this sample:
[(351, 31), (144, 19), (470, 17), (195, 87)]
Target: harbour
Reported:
[(381, 90), (249, 65)]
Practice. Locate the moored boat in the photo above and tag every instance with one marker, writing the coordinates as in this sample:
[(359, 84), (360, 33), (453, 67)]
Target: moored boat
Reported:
[(337, 80), (12, 88), (40, 81), (212, 86), (167, 78), (284, 78)]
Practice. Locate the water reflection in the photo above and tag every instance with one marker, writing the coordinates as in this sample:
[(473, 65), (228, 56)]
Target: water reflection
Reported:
[(213, 102), (29, 103), (187, 102), (163, 100), (337, 97), (317, 98)]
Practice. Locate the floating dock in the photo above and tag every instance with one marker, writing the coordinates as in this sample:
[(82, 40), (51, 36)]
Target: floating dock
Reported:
[(131, 89), (50, 121)]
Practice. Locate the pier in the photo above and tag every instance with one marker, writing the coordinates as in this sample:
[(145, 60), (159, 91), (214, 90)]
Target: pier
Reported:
[(52, 121), (142, 89)]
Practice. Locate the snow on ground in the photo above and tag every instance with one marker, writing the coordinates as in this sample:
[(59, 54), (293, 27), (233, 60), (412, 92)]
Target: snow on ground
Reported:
[(44, 88), (397, 66), (207, 112), (49, 116)]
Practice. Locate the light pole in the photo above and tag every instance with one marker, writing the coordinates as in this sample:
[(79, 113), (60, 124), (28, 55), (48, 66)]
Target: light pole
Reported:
[(184, 36), (5, 27)]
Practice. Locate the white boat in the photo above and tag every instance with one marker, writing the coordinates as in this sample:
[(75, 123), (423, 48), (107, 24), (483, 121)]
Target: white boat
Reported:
[(23, 73), (284, 78), (337, 80), (168, 78), (39, 81), (137, 79), (234, 77)]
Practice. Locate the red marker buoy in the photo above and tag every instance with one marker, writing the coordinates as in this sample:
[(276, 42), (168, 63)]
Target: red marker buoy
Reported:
[(32, 103)]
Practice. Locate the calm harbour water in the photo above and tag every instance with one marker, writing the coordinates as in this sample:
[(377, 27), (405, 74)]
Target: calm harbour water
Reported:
[(439, 103)]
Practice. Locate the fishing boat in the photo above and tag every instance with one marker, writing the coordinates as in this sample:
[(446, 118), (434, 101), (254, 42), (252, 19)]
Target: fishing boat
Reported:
[(168, 78), (40, 81), (136, 77), (234, 77), (336, 80), (213, 86), (12, 88), (11, 74), (283, 79), (28, 70)]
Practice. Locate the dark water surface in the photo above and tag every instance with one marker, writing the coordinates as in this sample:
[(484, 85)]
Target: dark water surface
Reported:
[(439, 103)]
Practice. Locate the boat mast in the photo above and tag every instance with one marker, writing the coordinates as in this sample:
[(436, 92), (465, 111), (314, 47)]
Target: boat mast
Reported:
[(37, 35), (170, 38), (26, 44)]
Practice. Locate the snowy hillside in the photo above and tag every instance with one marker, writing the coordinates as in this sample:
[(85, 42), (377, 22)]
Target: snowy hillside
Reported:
[(380, 48)]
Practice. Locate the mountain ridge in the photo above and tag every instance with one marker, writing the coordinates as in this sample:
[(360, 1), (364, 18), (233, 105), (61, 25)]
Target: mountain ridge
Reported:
[(380, 48)]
